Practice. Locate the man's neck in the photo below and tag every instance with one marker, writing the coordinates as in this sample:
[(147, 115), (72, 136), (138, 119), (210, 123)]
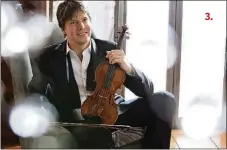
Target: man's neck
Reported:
[(78, 48)]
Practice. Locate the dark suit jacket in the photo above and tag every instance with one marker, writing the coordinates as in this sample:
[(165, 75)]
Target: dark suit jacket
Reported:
[(50, 79)]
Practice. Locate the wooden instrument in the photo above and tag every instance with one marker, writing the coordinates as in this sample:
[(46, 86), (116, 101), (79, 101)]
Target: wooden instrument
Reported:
[(109, 78)]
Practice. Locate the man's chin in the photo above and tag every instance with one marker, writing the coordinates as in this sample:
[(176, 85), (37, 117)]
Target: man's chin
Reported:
[(82, 42)]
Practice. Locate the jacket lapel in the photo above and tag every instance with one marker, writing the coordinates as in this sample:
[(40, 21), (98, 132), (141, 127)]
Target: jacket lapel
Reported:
[(91, 84), (58, 64)]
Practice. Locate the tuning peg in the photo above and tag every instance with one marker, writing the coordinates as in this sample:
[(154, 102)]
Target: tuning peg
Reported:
[(125, 27)]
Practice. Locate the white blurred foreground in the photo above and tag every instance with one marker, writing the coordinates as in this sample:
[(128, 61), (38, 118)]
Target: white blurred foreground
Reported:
[(21, 33), (32, 117), (203, 120)]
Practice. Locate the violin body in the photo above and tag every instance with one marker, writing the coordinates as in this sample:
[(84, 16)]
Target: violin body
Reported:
[(109, 78), (102, 103)]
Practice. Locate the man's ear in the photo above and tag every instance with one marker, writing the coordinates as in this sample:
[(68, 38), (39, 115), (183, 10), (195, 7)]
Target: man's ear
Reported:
[(63, 31)]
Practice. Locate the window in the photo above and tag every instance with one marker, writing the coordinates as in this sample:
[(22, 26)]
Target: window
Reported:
[(55, 6), (147, 46), (202, 52)]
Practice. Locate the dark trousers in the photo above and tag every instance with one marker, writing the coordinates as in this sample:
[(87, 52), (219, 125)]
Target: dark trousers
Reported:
[(156, 113)]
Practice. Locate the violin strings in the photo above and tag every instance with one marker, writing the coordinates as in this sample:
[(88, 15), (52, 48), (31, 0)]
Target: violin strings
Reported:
[(107, 82), (108, 78), (111, 72), (93, 107)]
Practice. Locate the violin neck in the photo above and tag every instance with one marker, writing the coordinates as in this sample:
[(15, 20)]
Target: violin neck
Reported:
[(109, 75), (112, 68), (119, 43)]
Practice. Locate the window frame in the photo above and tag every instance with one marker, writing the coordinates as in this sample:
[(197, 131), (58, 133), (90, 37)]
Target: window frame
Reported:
[(174, 82), (120, 19)]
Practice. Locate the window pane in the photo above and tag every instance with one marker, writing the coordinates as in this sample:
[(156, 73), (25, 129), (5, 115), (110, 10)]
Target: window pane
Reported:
[(102, 14), (146, 48), (55, 7), (203, 52)]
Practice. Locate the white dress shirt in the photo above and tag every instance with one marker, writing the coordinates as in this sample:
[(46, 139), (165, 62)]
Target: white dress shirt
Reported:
[(80, 70)]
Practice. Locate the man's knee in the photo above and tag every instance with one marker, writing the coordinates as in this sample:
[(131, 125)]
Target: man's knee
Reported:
[(164, 105), (165, 96)]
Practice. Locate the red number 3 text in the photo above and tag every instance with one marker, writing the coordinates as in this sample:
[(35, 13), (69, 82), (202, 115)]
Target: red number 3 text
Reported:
[(208, 16)]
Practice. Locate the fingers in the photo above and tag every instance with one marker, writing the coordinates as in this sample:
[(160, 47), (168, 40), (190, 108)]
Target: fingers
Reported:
[(117, 51), (107, 54), (116, 59), (115, 56), (114, 52)]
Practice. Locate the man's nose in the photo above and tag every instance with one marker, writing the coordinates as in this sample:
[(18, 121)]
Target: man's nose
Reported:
[(81, 25)]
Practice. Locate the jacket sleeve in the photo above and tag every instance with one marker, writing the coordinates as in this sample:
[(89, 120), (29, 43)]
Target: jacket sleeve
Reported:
[(40, 83)]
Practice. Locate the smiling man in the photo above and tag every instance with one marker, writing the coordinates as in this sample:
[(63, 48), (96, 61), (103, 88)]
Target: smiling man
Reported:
[(68, 70)]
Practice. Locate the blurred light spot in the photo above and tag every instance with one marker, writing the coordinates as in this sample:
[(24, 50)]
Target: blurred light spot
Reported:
[(171, 56), (149, 42), (200, 121), (16, 40), (39, 30), (185, 142), (32, 117), (28, 121), (171, 47), (8, 16), (4, 51), (4, 19)]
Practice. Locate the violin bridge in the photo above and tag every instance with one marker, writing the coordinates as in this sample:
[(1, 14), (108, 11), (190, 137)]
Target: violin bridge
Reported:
[(102, 96)]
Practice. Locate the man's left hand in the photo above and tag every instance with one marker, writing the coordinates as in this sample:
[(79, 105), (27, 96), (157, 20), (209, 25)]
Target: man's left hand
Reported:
[(118, 56)]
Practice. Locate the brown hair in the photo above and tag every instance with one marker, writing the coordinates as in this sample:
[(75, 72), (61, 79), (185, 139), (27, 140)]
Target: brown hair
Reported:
[(66, 9)]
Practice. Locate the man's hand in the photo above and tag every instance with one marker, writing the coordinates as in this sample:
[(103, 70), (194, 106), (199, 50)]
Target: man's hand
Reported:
[(118, 56)]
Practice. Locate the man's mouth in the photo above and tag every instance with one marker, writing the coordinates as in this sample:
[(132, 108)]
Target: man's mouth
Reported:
[(80, 34)]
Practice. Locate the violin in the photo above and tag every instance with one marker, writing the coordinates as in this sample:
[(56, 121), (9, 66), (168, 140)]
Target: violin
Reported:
[(109, 78)]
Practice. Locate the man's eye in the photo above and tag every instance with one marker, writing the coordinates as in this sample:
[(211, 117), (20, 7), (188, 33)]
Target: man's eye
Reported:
[(85, 19), (72, 22)]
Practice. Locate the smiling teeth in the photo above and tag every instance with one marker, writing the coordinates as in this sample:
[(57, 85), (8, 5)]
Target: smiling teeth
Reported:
[(82, 34)]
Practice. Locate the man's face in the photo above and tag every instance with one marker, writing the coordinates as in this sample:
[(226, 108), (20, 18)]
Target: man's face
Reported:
[(78, 30)]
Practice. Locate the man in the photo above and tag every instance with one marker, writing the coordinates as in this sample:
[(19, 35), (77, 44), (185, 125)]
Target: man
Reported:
[(68, 70)]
